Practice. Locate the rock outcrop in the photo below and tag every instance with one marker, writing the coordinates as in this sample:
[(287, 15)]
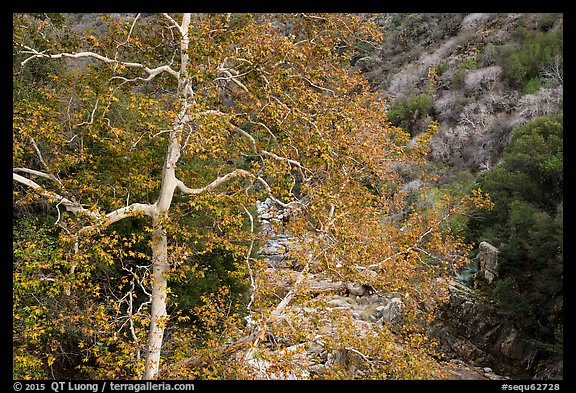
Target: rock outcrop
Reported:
[(487, 260), (469, 327)]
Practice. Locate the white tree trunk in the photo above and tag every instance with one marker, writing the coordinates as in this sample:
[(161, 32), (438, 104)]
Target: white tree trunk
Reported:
[(158, 315), (160, 266)]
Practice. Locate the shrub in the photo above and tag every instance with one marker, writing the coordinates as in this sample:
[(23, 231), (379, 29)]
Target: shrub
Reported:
[(407, 113), (532, 86), (535, 50), (508, 297), (458, 80), (482, 78)]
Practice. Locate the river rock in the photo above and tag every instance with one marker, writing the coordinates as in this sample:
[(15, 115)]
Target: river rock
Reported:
[(356, 289)]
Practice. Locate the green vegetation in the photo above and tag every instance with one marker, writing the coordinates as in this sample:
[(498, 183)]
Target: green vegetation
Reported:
[(458, 80), (526, 224), (441, 68), (524, 60), (407, 114)]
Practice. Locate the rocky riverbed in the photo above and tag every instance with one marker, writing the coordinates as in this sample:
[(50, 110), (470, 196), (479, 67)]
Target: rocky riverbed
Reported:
[(460, 326)]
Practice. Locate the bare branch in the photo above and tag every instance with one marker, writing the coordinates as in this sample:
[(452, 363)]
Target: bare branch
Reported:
[(58, 210), (279, 310), (152, 72), (128, 211), (305, 15), (271, 195), (71, 206), (233, 78), (553, 71), (91, 116), (319, 87), (247, 258), (252, 141), (231, 75), (173, 22), (265, 127), (76, 207), (138, 78), (278, 158), (130, 32), (222, 179), (39, 153), (246, 135), (183, 29), (161, 132), (36, 173), (135, 143)]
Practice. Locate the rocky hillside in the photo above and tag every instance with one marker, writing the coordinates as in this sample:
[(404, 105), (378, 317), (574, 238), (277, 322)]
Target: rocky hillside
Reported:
[(479, 75)]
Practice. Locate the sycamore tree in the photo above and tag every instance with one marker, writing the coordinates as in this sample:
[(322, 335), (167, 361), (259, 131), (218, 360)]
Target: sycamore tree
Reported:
[(144, 143)]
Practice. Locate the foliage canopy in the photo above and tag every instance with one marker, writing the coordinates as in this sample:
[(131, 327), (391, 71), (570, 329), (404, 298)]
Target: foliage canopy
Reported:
[(141, 145)]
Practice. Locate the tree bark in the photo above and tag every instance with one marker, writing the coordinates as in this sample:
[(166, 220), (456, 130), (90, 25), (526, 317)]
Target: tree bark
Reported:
[(158, 315), (160, 265)]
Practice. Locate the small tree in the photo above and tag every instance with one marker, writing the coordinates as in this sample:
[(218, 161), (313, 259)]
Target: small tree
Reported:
[(178, 124)]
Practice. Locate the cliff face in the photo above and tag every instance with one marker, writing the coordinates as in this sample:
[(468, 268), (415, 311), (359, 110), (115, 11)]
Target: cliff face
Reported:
[(472, 328), (479, 75)]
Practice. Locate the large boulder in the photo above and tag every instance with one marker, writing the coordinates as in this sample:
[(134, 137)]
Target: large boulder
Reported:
[(485, 265), (488, 257)]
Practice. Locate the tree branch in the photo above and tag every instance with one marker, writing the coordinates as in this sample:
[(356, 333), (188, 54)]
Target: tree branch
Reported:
[(172, 21), (222, 179), (127, 211), (282, 305), (152, 72), (75, 207), (36, 173), (129, 32), (71, 206), (247, 258), (319, 87), (252, 142), (269, 192), (231, 77), (39, 153)]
